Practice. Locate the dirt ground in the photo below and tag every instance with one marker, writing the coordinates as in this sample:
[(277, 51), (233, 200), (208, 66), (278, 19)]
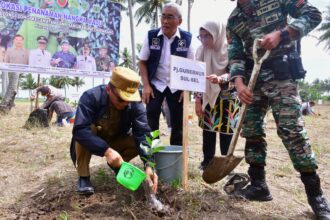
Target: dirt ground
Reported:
[(37, 178)]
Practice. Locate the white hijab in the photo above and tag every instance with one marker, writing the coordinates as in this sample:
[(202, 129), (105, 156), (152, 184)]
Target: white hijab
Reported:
[(216, 59)]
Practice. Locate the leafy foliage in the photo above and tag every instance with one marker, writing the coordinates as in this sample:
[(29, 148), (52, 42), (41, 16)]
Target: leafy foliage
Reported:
[(155, 144), (149, 11), (325, 28), (318, 89), (28, 82)]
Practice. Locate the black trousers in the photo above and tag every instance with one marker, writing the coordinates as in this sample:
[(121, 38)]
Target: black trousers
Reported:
[(176, 112), (209, 143)]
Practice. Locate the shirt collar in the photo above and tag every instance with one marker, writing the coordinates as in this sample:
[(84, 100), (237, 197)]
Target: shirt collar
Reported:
[(177, 33)]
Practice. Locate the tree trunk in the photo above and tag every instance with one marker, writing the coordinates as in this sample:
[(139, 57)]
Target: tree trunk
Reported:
[(9, 97), (132, 33), (188, 16), (4, 79)]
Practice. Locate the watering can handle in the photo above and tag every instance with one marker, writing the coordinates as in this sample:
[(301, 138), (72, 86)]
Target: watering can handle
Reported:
[(256, 68)]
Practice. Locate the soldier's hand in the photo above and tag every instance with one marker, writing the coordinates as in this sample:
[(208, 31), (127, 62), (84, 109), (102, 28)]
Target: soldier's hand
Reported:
[(152, 179), (146, 93), (243, 92), (113, 158), (271, 40)]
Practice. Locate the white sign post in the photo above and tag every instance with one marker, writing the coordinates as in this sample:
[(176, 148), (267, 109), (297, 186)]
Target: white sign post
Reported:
[(187, 75)]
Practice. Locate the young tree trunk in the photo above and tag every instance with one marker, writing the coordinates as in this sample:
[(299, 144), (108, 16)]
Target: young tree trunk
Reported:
[(132, 33), (4, 80), (190, 2), (9, 97)]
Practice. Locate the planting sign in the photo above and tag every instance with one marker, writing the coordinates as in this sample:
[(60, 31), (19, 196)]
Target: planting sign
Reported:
[(187, 74), (59, 37)]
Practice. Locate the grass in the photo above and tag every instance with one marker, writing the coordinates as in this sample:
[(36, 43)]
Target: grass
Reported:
[(63, 216), (39, 158)]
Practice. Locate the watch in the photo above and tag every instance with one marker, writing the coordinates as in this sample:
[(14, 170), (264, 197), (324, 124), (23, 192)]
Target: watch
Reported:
[(285, 36)]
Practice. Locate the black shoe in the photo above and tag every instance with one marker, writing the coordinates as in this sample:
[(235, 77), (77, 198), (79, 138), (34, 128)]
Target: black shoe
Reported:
[(315, 196), (256, 191), (84, 186), (320, 207)]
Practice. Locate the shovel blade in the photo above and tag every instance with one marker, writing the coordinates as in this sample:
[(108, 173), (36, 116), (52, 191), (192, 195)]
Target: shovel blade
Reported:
[(220, 167)]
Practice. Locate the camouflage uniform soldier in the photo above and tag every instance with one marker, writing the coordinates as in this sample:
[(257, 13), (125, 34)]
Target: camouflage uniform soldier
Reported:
[(276, 88), (103, 60)]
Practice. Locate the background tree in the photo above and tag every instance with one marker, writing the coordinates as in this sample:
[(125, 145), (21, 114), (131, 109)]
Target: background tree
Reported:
[(129, 8), (190, 4), (9, 98), (325, 28), (28, 83), (127, 59), (77, 82), (150, 11), (61, 82), (318, 89)]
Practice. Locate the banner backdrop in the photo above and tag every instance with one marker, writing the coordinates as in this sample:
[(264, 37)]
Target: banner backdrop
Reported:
[(59, 37)]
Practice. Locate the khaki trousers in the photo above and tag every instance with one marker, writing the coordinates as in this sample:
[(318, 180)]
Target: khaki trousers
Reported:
[(125, 146)]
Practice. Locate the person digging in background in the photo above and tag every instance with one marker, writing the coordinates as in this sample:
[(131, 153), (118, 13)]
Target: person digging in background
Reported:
[(218, 106), (276, 88), (111, 122), (307, 108), (50, 92), (63, 111)]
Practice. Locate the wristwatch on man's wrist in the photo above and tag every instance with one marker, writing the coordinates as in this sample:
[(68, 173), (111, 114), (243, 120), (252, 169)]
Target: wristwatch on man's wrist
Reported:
[(285, 36)]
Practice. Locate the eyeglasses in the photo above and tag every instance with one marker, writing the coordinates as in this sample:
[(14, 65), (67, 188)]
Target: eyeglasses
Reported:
[(168, 17), (204, 37), (114, 91)]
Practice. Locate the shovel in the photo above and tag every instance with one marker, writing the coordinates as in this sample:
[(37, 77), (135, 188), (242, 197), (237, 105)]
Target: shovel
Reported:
[(219, 167)]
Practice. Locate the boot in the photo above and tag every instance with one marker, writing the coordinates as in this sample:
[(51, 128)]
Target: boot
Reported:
[(84, 186), (258, 189), (315, 196)]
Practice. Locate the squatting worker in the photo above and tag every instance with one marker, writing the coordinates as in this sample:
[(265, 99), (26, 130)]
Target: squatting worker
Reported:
[(275, 88), (155, 55), (111, 121)]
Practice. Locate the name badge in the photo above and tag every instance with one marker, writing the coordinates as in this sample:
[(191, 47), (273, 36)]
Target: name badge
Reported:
[(182, 45), (155, 44)]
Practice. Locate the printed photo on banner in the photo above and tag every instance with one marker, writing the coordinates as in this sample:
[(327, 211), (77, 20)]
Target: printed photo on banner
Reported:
[(187, 74), (49, 36)]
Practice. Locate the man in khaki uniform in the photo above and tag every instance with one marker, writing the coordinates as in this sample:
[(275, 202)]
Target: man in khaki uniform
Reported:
[(17, 54), (111, 122)]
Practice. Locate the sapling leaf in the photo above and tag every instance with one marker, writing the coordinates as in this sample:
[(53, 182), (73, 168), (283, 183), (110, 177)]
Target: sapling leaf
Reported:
[(152, 164), (147, 149), (156, 143), (154, 134), (149, 140), (157, 149)]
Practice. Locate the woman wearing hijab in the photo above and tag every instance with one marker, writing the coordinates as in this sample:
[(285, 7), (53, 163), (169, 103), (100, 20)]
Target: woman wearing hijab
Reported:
[(217, 108)]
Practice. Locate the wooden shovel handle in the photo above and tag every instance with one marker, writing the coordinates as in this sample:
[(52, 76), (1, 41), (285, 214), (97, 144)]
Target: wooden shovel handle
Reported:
[(252, 82), (37, 95)]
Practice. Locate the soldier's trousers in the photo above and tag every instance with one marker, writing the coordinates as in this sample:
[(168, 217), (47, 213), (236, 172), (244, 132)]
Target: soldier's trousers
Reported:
[(125, 146), (282, 98)]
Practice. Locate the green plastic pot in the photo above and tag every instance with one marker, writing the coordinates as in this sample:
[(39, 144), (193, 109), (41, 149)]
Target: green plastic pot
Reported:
[(130, 176)]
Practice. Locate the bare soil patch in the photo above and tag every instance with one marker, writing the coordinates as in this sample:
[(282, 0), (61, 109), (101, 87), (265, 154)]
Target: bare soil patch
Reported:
[(37, 178)]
